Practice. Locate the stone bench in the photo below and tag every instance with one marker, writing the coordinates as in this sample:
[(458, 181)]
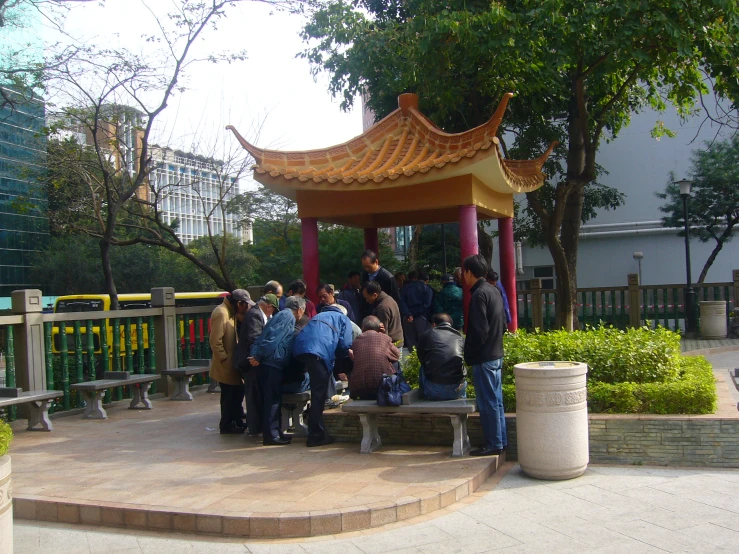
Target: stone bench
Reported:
[(38, 401), (93, 391), (413, 403), (182, 376), (293, 406)]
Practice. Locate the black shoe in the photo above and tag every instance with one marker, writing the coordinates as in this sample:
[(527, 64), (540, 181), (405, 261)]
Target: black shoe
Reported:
[(485, 452), (328, 439), (233, 430), (277, 442)]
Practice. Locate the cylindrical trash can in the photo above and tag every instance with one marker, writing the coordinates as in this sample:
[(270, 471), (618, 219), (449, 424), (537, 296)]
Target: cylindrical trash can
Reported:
[(713, 319), (6, 506), (552, 419)]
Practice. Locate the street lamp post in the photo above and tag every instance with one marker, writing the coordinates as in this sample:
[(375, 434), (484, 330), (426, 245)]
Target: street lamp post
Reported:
[(639, 256), (690, 322)]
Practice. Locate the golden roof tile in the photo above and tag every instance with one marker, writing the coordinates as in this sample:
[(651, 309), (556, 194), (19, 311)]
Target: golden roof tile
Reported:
[(400, 146)]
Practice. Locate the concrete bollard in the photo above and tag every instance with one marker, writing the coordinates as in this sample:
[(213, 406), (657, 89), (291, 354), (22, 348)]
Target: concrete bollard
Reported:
[(713, 319), (552, 419)]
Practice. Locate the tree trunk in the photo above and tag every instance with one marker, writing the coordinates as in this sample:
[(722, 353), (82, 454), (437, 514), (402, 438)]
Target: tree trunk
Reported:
[(565, 316), (570, 239), (110, 287), (485, 244), (415, 243), (714, 253)]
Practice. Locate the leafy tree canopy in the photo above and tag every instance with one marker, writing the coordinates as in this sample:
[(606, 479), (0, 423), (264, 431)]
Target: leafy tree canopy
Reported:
[(579, 72), (714, 201)]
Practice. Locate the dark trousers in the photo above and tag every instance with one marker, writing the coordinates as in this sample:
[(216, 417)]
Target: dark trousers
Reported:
[(254, 404), (319, 376), (413, 331), (269, 380), (230, 405)]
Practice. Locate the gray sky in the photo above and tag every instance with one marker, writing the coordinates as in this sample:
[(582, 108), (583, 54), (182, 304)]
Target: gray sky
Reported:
[(300, 113)]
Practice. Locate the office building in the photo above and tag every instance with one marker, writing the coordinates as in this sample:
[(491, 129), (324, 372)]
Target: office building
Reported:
[(24, 226), (192, 190)]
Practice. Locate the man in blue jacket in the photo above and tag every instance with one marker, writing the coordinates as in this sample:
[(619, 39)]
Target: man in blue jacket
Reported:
[(316, 346), (270, 355)]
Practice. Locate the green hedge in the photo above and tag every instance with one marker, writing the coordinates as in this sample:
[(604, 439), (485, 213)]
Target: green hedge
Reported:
[(634, 371), (6, 435), (692, 392), (641, 355)]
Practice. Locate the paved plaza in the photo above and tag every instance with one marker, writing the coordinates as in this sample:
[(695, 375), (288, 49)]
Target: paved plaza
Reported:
[(609, 509), (174, 456)]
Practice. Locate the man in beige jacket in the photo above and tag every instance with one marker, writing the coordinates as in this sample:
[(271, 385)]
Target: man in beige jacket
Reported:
[(223, 339)]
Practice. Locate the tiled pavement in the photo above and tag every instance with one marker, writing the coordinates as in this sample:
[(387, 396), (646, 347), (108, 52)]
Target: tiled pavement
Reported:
[(609, 509), (170, 469)]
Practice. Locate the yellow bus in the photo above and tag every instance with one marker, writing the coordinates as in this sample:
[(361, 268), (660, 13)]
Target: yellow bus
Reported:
[(101, 303)]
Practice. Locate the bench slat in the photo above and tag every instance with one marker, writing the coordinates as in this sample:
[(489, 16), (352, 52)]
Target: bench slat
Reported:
[(102, 384), (185, 371), (31, 396), (443, 407)]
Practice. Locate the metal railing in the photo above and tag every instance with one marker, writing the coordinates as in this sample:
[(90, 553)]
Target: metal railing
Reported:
[(77, 347), (657, 304)]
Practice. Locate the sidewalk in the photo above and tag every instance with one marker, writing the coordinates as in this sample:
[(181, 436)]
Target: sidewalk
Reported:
[(609, 509)]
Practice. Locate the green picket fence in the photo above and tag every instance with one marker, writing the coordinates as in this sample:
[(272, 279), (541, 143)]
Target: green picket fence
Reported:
[(658, 305)]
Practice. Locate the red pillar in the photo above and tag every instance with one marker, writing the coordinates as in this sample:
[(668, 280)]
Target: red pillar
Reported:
[(508, 268), (371, 242), (468, 244), (311, 264)]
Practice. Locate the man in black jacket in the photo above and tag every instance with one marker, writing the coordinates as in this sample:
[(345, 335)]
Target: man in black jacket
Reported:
[(374, 272), (483, 351), (250, 330), (440, 352)]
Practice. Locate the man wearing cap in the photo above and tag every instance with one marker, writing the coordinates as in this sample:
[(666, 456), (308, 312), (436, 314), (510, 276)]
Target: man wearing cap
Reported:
[(449, 301), (223, 342), (251, 329), (270, 356)]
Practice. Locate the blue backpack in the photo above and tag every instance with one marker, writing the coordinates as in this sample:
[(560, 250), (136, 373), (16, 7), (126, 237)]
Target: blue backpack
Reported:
[(391, 390)]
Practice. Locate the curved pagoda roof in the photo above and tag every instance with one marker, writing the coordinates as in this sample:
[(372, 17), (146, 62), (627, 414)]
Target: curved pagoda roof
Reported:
[(404, 148), (431, 173)]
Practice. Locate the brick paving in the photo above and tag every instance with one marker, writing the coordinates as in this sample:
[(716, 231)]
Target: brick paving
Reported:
[(169, 468), (607, 510)]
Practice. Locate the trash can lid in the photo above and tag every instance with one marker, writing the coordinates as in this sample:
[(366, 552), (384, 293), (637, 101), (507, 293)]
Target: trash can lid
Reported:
[(550, 368)]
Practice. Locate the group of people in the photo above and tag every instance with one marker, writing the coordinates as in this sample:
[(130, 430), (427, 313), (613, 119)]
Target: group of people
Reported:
[(284, 343)]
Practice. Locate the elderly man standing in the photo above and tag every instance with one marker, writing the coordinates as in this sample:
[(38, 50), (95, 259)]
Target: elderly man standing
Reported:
[(250, 330), (223, 344), (270, 356), (374, 355), (316, 346), (385, 309)]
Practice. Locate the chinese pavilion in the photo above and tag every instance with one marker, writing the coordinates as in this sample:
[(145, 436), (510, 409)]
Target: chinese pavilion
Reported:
[(404, 171)]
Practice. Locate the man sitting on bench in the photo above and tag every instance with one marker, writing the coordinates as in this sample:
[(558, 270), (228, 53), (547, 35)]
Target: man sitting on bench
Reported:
[(440, 351), (374, 355)]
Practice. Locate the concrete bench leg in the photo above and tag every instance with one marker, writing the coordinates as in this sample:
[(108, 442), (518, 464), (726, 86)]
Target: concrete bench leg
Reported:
[(39, 415), (182, 388), (294, 417), (140, 396), (461, 445), (371, 440), (94, 405), (212, 386)]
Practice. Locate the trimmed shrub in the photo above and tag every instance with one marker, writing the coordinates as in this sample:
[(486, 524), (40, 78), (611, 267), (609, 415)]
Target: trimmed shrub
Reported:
[(641, 355), (6, 436), (692, 392), (633, 371)]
